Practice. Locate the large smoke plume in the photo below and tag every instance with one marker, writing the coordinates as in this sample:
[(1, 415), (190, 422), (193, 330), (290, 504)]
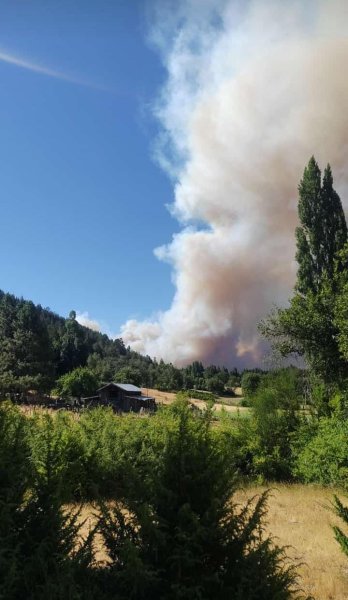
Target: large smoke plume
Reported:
[(253, 90)]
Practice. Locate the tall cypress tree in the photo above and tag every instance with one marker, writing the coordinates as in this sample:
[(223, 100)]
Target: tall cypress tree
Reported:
[(310, 327), (335, 230), (323, 230)]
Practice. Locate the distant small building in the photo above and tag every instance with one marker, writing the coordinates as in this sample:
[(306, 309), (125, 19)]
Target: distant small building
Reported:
[(125, 397)]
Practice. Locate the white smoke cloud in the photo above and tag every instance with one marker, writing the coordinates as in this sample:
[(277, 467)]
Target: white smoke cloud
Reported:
[(253, 90), (84, 319)]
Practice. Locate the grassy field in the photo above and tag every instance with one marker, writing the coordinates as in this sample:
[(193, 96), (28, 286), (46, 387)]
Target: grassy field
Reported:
[(169, 397), (298, 517)]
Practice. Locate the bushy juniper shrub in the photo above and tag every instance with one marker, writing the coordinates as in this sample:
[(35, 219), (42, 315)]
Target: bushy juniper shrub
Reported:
[(189, 540), (39, 557)]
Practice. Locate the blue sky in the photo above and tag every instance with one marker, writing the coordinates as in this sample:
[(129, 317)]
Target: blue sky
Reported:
[(83, 202)]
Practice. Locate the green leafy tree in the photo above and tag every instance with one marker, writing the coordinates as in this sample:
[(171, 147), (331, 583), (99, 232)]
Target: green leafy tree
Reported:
[(215, 385), (73, 350), (129, 374), (341, 303), (79, 382), (168, 377), (320, 452), (250, 382), (308, 327)]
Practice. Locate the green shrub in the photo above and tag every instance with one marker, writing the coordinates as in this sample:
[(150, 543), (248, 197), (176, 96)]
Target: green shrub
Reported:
[(14, 479), (171, 530), (39, 553), (235, 437), (321, 452), (116, 455), (56, 440), (201, 395), (275, 410), (189, 540)]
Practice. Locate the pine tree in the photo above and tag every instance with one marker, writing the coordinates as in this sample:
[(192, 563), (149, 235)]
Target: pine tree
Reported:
[(189, 540), (74, 351)]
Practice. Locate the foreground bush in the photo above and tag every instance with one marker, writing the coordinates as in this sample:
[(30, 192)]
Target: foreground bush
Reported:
[(189, 540), (40, 556), (321, 452), (79, 382), (14, 481), (171, 530)]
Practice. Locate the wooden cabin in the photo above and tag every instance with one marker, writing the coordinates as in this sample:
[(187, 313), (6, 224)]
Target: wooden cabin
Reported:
[(125, 397)]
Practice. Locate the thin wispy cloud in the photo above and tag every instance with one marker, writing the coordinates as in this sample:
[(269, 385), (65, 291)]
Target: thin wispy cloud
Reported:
[(29, 65)]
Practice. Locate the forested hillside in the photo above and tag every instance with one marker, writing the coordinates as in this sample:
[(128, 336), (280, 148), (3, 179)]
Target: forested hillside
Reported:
[(38, 346)]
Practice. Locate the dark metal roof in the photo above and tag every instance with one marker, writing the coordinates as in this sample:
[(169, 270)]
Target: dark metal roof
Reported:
[(142, 398), (126, 387)]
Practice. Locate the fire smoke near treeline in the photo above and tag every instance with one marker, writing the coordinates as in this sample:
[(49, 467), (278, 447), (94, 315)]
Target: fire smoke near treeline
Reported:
[(253, 90)]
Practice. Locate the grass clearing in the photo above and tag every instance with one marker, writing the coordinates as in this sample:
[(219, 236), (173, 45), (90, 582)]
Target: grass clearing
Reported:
[(298, 517), (169, 397)]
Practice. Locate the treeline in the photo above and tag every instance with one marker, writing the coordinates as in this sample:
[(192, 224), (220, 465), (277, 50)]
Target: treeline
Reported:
[(163, 514), (37, 347)]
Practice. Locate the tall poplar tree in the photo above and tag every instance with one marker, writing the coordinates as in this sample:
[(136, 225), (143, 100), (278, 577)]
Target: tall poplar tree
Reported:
[(322, 232), (308, 326)]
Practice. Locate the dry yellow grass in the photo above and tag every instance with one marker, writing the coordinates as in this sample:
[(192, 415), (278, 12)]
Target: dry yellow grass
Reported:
[(169, 397), (298, 517)]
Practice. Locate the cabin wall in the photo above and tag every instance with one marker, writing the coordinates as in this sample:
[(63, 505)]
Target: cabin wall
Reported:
[(123, 401)]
